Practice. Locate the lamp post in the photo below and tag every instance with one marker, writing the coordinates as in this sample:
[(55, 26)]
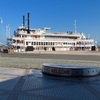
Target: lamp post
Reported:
[(1, 20), (8, 31)]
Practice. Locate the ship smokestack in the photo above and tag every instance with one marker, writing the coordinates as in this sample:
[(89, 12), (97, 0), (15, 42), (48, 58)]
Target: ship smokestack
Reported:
[(23, 20), (28, 31)]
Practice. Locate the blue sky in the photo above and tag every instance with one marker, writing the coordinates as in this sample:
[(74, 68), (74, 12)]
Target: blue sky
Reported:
[(57, 14)]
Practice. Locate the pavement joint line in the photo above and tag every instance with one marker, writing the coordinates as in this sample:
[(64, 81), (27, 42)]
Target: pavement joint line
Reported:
[(92, 90)]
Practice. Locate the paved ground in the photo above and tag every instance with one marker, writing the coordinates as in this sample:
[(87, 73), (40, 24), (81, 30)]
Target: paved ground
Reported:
[(82, 55), (31, 84), (36, 59)]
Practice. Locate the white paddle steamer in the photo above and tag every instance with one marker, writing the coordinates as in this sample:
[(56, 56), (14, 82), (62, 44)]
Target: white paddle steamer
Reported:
[(27, 39)]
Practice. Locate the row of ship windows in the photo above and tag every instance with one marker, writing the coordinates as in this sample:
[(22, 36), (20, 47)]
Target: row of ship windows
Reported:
[(48, 37), (40, 43), (48, 43), (54, 43)]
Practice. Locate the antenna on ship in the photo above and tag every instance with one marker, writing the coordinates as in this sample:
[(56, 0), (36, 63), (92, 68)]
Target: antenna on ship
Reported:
[(89, 36), (75, 26)]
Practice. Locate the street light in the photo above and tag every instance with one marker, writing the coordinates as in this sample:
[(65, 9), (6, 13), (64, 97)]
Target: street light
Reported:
[(8, 30), (1, 21)]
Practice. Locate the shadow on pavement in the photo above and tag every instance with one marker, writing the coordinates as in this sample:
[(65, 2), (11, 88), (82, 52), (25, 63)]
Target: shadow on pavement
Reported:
[(34, 85)]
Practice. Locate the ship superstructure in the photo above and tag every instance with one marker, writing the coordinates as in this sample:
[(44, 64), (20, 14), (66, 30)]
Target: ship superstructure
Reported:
[(26, 39)]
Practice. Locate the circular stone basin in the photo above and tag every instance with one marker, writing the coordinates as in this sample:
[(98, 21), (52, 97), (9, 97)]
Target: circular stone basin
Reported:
[(70, 70)]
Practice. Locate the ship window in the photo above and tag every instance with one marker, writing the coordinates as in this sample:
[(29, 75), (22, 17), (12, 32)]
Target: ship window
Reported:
[(46, 43), (26, 43), (14, 41), (69, 43), (39, 43), (74, 44), (43, 43), (34, 43), (35, 36)]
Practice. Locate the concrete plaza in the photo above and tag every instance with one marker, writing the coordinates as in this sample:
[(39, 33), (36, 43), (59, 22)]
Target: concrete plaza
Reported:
[(31, 84)]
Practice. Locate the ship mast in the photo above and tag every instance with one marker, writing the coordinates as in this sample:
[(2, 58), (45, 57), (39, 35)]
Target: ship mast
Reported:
[(75, 27)]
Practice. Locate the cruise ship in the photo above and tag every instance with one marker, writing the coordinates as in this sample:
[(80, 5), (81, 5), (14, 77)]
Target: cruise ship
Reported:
[(27, 39)]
